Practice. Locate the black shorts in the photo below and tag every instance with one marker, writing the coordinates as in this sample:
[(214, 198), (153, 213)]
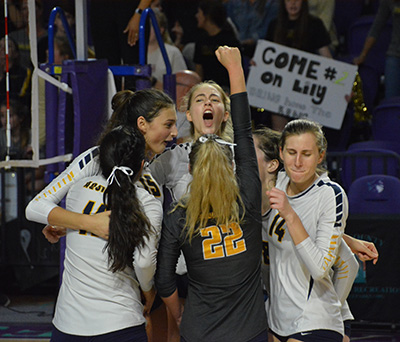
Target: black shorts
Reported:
[(313, 336), (347, 328), (137, 333)]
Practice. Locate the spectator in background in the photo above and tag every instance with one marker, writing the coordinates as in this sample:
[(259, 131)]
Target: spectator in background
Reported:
[(68, 7), (20, 130), (251, 18), (115, 32), (325, 10), (21, 36), (211, 18), (296, 28), (388, 9), (20, 76), (154, 56), (69, 11), (185, 80), (14, 16)]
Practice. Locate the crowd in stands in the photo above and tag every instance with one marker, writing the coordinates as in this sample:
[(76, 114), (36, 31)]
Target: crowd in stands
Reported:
[(191, 32)]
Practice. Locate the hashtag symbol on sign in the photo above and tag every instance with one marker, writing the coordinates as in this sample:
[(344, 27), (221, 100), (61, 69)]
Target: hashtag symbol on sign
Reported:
[(330, 73)]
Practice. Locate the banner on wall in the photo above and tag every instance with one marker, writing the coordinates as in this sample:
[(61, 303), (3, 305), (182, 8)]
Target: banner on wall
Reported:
[(375, 296), (299, 84)]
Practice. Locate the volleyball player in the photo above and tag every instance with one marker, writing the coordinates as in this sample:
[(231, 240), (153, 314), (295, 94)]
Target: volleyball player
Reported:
[(102, 284), (217, 225)]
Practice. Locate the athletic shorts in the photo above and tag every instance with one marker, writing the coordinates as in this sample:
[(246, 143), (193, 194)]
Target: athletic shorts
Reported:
[(263, 337), (137, 334), (313, 336), (347, 328)]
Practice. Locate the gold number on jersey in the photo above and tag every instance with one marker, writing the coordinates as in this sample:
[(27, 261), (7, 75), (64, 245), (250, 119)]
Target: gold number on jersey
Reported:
[(277, 227), (88, 210), (222, 241), (150, 186)]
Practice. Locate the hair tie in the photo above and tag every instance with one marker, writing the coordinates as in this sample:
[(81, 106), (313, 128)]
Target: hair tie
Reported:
[(128, 171), (220, 141)]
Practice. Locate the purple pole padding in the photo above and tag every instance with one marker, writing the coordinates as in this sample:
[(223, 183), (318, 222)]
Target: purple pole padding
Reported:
[(88, 80), (169, 84)]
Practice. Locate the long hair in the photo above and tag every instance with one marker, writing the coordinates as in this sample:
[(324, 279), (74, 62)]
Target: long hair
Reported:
[(214, 191), (128, 106), (226, 130), (269, 143), (300, 36), (123, 147), (302, 126)]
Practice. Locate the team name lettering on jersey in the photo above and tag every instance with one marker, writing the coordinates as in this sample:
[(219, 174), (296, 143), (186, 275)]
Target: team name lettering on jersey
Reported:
[(222, 241), (94, 186)]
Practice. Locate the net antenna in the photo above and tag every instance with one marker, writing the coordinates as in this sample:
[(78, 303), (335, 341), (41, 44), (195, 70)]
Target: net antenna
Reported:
[(35, 162)]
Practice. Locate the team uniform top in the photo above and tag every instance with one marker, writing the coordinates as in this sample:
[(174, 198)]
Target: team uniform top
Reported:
[(92, 300), (343, 274), (303, 296), (85, 165), (225, 300), (171, 168)]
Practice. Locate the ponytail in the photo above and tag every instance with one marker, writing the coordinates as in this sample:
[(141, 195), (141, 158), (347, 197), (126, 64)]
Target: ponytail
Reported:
[(214, 191), (121, 155)]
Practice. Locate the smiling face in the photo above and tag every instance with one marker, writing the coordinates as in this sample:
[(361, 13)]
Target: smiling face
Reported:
[(301, 157), (293, 8), (207, 110), (159, 132)]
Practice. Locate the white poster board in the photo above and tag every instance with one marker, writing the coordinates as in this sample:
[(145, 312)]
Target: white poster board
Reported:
[(298, 84)]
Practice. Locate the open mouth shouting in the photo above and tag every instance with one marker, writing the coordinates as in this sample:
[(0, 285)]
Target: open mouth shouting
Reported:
[(208, 118)]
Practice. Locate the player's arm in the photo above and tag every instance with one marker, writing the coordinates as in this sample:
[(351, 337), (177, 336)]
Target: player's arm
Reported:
[(365, 250), (174, 306), (145, 257), (230, 58), (168, 253), (97, 224), (44, 208)]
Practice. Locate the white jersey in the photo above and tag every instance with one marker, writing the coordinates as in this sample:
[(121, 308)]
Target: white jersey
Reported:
[(92, 300), (303, 296), (344, 270), (171, 169), (85, 165)]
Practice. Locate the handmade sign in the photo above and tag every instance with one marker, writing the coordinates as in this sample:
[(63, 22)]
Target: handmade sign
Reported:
[(298, 84)]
